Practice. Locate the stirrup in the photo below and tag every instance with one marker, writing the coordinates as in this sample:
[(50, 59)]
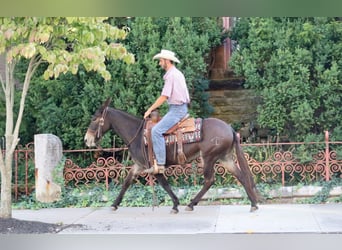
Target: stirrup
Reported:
[(155, 169), (159, 169)]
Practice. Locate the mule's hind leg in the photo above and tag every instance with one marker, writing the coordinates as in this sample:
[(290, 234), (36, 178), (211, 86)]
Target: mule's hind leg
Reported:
[(132, 174), (163, 182), (246, 181), (209, 179)]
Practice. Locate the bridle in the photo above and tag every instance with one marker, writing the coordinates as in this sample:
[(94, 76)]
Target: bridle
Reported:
[(101, 122), (98, 131)]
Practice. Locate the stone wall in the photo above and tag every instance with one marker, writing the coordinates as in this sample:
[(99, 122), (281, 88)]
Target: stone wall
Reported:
[(234, 105)]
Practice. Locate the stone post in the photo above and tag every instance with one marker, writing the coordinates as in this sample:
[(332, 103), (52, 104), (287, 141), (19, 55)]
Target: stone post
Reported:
[(48, 154)]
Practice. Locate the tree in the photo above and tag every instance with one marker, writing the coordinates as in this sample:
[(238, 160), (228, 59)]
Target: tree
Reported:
[(62, 44), (132, 87), (295, 65)]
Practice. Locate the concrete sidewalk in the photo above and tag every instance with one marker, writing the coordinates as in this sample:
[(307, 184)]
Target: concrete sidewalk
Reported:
[(231, 219)]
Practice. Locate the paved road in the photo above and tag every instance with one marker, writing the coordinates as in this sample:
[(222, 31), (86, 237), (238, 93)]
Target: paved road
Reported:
[(223, 219)]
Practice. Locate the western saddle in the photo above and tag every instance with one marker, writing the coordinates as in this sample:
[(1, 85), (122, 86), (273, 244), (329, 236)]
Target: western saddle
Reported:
[(186, 124)]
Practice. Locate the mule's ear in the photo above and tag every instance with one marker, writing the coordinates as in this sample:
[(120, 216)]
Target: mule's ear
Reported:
[(107, 102), (105, 105)]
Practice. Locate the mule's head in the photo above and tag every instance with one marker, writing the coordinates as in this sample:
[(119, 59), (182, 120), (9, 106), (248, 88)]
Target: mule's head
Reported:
[(98, 126)]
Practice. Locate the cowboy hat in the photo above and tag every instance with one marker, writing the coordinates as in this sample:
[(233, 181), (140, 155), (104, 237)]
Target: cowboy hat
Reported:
[(166, 54)]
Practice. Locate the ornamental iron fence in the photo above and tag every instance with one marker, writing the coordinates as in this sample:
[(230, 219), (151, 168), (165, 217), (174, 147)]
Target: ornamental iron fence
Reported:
[(23, 170), (285, 163)]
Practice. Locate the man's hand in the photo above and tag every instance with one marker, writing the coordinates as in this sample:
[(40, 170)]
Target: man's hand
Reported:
[(147, 113), (161, 99)]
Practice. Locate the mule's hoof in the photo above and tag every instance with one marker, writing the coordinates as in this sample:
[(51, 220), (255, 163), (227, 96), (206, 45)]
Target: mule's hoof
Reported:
[(174, 211), (114, 208), (188, 208), (253, 209)]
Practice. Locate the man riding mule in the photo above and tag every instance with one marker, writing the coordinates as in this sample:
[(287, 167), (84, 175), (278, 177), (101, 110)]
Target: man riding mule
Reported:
[(176, 93), (218, 141)]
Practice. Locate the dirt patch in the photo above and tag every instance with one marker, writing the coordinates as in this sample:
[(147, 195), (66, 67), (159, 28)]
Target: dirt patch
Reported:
[(15, 226)]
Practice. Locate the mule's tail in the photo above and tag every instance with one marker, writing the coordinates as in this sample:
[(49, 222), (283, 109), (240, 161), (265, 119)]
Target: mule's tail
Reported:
[(246, 174)]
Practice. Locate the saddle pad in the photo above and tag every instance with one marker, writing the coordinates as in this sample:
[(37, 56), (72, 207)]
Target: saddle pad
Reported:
[(188, 137)]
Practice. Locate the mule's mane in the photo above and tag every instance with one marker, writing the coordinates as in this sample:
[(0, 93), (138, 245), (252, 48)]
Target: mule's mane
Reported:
[(124, 114), (123, 123)]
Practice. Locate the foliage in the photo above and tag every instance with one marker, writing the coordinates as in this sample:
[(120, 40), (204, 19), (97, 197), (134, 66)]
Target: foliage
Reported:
[(323, 195), (62, 44), (295, 65), (65, 105), (141, 196), (56, 46), (25, 172), (313, 145), (96, 196)]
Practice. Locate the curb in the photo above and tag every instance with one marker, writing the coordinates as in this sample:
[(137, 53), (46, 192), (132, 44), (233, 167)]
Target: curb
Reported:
[(282, 192)]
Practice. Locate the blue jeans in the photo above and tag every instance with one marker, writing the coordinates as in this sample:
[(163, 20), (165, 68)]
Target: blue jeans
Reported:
[(174, 115)]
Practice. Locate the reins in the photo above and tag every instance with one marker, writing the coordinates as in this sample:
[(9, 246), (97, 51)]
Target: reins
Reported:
[(99, 129), (154, 202), (136, 134), (98, 133), (101, 123)]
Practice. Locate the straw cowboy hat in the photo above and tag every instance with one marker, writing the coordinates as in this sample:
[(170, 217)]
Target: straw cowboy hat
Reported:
[(166, 54)]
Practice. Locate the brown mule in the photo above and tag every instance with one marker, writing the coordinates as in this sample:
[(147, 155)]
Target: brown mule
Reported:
[(219, 141)]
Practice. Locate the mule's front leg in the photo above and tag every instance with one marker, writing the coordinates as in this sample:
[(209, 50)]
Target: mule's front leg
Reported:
[(132, 174)]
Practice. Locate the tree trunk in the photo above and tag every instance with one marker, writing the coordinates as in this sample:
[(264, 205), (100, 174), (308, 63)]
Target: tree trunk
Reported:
[(6, 179), (6, 189), (6, 158), (11, 134)]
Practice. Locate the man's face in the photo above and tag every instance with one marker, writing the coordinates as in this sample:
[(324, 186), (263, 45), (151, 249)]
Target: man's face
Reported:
[(163, 63)]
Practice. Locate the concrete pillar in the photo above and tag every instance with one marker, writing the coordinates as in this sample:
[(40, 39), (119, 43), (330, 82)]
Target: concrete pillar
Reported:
[(48, 154)]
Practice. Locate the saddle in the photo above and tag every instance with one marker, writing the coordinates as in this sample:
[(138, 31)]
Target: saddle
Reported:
[(175, 135)]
